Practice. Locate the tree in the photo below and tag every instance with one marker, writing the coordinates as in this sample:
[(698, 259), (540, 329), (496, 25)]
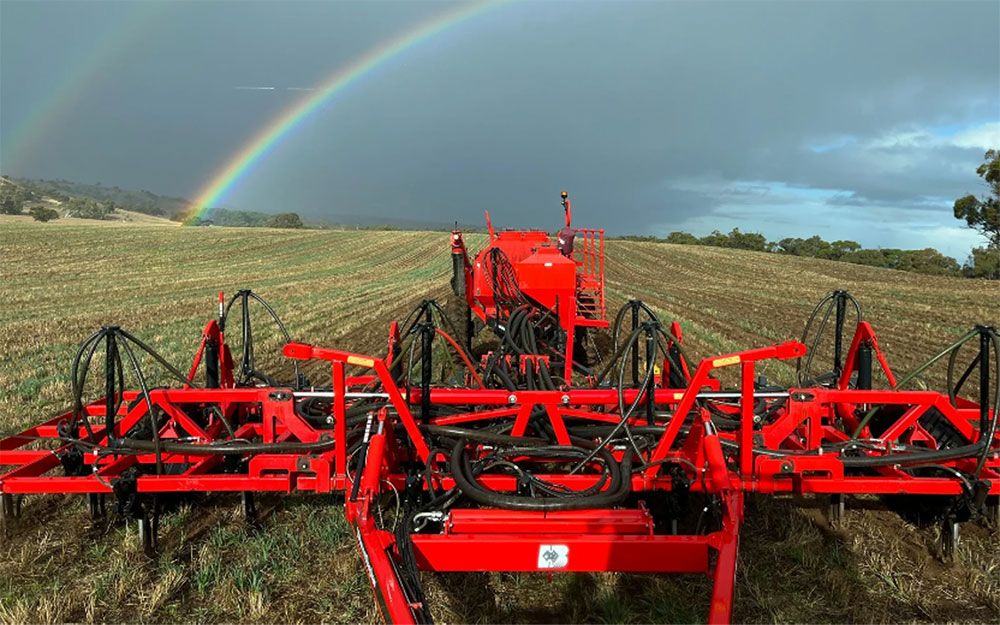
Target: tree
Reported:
[(10, 205), (43, 213), (682, 238), (983, 263), (841, 248), (813, 247), (983, 214), (12, 199), (746, 240), (871, 258), (715, 239), (286, 220), (929, 261), (85, 208)]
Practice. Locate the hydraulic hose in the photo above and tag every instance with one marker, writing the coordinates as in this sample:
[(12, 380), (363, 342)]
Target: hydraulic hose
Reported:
[(834, 301), (618, 488), (482, 436), (248, 370), (218, 449)]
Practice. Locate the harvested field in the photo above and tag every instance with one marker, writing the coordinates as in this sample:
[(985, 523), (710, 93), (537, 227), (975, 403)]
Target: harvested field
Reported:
[(57, 284)]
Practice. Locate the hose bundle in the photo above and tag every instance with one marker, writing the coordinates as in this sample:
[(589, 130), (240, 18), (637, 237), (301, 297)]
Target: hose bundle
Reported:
[(248, 374), (116, 341), (524, 457), (834, 303), (612, 485), (503, 279)]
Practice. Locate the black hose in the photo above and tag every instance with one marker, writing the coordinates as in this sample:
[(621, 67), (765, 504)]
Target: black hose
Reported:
[(218, 449), (618, 488), (151, 413), (248, 370), (455, 432), (986, 440), (830, 301)]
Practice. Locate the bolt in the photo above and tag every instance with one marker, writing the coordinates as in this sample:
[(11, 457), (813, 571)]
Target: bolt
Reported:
[(565, 399), (512, 399)]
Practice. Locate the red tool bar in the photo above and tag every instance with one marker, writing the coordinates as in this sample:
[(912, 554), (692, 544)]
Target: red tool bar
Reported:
[(561, 552), (621, 522)]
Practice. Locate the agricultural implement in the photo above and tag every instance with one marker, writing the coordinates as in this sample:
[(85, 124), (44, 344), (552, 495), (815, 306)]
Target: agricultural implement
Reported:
[(522, 430)]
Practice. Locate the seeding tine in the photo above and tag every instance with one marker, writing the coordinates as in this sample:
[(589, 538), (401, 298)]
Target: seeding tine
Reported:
[(149, 526), (950, 534), (146, 536), (249, 508), (836, 509), (96, 506), (10, 509), (991, 513)]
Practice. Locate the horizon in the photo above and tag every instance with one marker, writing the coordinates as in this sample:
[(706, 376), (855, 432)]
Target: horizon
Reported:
[(357, 221)]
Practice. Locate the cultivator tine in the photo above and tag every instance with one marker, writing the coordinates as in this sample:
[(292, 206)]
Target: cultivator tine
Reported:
[(249, 507), (96, 506), (991, 513), (148, 526), (950, 536), (835, 511), (10, 509)]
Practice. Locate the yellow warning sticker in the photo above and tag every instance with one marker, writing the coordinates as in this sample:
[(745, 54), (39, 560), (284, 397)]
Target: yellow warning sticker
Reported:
[(358, 360), (725, 362)]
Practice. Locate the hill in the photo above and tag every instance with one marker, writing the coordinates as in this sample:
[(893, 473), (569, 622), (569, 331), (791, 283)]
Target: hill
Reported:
[(56, 193), (340, 288), (141, 201)]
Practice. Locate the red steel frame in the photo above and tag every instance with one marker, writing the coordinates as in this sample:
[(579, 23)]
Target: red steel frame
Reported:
[(621, 539)]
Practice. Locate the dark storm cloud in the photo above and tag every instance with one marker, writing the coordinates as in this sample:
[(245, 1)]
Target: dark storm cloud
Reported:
[(789, 118)]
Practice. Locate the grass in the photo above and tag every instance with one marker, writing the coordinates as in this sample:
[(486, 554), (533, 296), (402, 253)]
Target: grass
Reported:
[(60, 282)]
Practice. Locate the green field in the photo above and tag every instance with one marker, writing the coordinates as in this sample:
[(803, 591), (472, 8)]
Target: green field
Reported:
[(59, 282)]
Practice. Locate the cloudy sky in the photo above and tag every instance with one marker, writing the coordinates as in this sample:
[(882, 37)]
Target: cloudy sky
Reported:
[(845, 119)]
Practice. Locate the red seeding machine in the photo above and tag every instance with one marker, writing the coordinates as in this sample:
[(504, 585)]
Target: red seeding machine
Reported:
[(527, 432)]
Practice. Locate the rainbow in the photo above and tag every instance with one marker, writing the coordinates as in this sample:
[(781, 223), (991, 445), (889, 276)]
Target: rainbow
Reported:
[(262, 143), (78, 76)]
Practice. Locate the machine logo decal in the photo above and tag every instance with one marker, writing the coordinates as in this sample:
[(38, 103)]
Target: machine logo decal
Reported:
[(553, 556)]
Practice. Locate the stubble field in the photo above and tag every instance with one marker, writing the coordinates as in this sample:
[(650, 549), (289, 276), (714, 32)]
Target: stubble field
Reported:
[(341, 288)]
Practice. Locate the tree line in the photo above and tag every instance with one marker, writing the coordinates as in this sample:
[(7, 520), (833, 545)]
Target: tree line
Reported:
[(982, 214), (927, 261), (245, 219)]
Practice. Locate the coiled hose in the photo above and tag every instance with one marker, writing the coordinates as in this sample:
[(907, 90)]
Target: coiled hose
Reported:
[(613, 475)]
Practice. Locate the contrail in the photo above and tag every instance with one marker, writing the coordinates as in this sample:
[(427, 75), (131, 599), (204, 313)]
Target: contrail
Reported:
[(255, 88)]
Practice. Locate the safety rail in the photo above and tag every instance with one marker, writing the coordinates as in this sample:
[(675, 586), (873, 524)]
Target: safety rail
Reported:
[(588, 252)]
